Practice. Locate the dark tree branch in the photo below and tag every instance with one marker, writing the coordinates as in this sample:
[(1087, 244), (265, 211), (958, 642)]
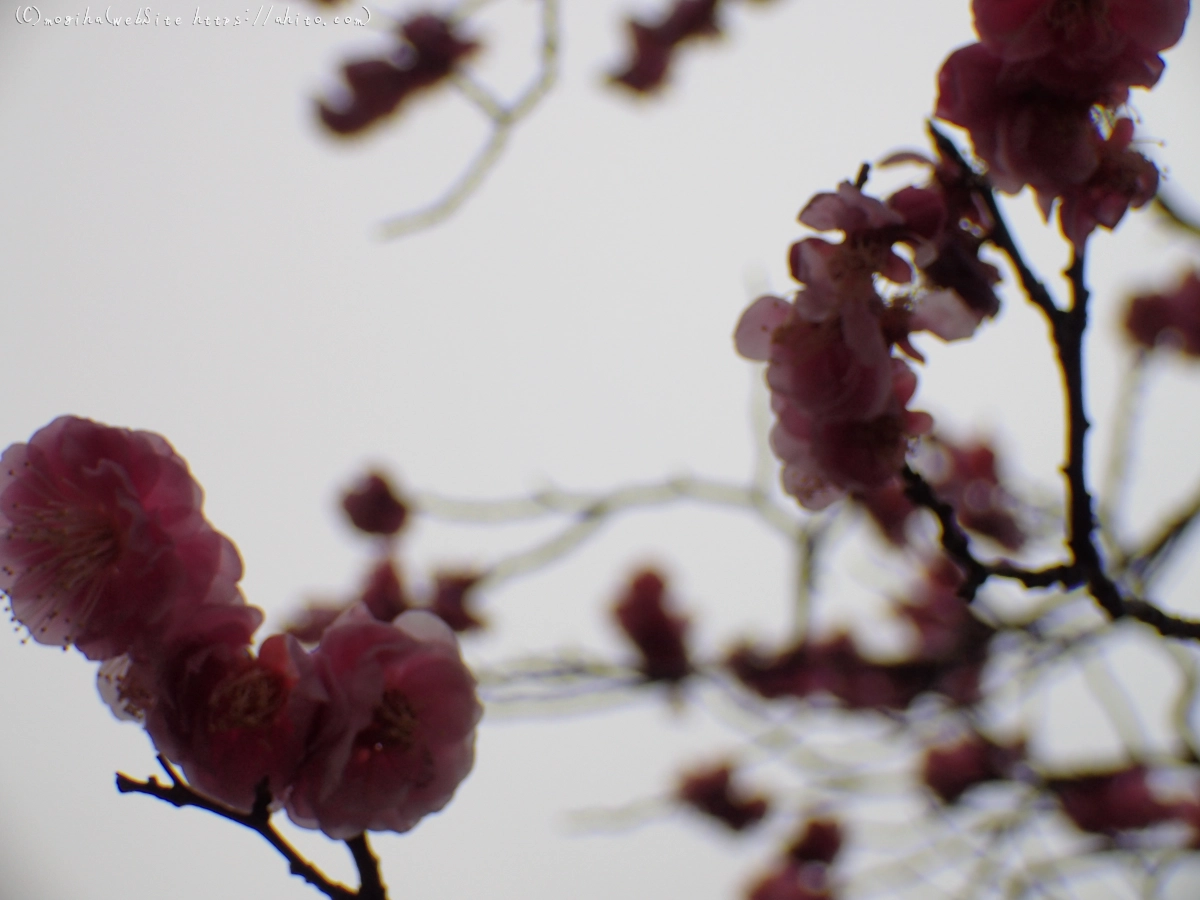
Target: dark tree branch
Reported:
[(954, 540), (1068, 327), (371, 884), (957, 545), (258, 820), (1000, 236)]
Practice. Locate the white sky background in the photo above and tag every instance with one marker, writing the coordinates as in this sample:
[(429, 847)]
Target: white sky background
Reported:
[(183, 251)]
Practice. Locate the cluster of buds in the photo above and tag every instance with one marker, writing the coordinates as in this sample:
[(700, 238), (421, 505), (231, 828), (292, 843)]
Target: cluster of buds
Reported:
[(653, 46), (1102, 803), (950, 652), (427, 52), (1041, 92), (374, 509), (103, 545)]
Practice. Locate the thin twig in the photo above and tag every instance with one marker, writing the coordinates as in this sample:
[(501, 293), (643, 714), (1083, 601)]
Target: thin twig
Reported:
[(258, 820), (503, 119)]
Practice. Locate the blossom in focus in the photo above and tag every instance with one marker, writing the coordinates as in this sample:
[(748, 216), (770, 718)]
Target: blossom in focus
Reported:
[(658, 633), (227, 716), (397, 734), (711, 791), (839, 393), (373, 507), (1170, 319), (429, 54), (102, 539)]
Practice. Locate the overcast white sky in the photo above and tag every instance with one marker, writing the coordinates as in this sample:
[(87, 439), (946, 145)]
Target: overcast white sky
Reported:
[(183, 251)]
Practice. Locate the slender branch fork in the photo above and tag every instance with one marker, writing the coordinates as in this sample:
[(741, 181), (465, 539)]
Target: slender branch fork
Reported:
[(258, 820), (1086, 567)]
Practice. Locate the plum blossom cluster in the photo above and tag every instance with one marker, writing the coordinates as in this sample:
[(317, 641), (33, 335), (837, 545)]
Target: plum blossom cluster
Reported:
[(103, 545), (840, 383), (374, 509), (1042, 95)]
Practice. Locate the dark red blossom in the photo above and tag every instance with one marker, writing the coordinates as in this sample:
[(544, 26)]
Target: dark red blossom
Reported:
[(452, 600), (1025, 132), (429, 53), (657, 632), (819, 842), (947, 223), (1039, 97), (951, 770), (1111, 802), (373, 507), (711, 791), (1170, 320), (654, 45), (102, 539), (1081, 33), (1123, 179)]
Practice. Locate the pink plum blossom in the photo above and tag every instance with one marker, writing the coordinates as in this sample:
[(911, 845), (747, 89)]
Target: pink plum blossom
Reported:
[(102, 539), (229, 717), (397, 734)]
